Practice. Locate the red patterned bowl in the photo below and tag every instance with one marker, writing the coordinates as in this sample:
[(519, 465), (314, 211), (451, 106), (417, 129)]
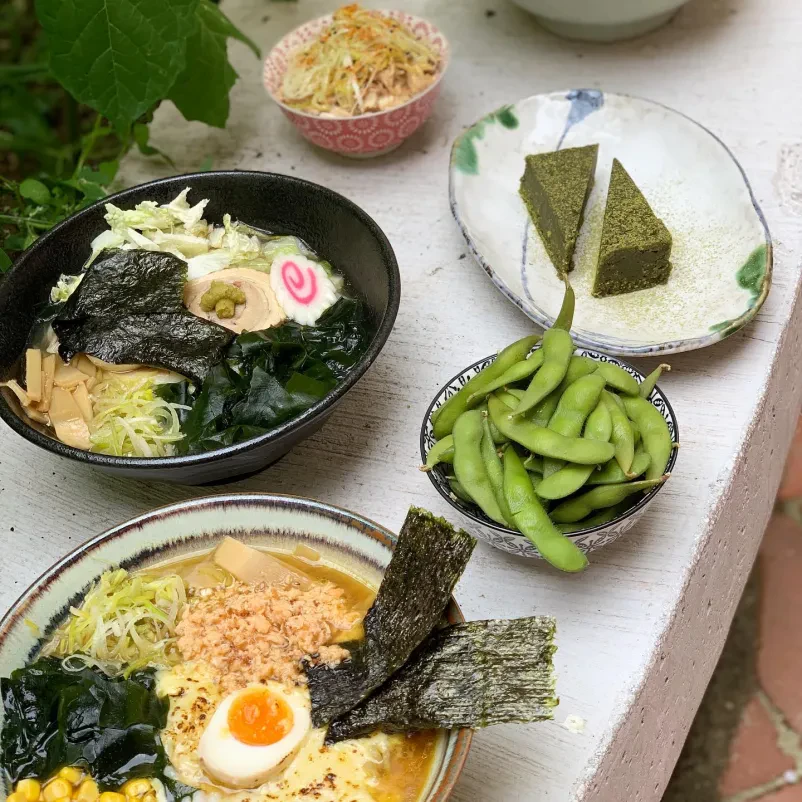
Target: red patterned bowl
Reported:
[(365, 134)]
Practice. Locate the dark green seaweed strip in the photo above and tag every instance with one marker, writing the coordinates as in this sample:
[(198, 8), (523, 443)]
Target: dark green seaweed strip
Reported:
[(427, 562), (466, 675), (129, 308)]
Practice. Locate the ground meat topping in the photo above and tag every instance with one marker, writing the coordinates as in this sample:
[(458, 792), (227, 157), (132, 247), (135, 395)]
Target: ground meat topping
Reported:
[(253, 633)]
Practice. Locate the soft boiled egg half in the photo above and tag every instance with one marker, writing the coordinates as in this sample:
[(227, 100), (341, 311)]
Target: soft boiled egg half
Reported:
[(254, 734)]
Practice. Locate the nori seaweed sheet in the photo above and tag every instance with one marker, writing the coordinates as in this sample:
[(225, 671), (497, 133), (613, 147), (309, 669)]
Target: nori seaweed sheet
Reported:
[(466, 675), (429, 558), (129, 308)]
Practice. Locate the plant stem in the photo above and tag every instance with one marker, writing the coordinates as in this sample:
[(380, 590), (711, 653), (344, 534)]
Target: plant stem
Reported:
[(22, 70), (89, 143), (28, 221), (71, 119)]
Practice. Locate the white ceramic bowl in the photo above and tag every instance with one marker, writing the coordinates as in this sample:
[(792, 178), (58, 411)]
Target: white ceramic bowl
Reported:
[(510, 540), (345, 540), (601, 20)]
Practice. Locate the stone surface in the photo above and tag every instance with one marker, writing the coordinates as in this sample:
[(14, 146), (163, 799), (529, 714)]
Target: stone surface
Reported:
[(791, 793), (641, 631), (791, 487), (780, 657), (755, 757)]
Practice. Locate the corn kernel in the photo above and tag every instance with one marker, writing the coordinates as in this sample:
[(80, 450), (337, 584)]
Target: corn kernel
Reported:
[(87, 791), (56, 789), (64, 799), (150, 797), (111, 796), (71, 774), (16, 797), (135, 788), (30, 789)]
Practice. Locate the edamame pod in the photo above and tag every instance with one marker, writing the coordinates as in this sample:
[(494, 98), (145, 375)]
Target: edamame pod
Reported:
[(577, 402), (650, 382), (565, 317), (444, 417), (533, 521), (617, 378), (611, 473), (495, 470), (469, 467), (623, 438), (534, 464), (575, 509), (599, 518), (459, 491), (545, 442), (518, 372), (441, 451), (498, 437), (578, 367), (654, 433), (557, 350), (571, 477)]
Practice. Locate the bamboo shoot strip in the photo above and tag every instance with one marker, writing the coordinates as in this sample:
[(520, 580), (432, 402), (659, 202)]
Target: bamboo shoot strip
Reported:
[(429, 558), (467, 675)]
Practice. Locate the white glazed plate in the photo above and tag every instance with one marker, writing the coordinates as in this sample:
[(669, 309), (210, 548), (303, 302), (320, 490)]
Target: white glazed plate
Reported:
[(721, 253)]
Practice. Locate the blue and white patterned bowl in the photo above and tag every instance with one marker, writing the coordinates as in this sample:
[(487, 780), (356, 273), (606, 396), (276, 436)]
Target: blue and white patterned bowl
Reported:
[(347, 541), (510, 540)]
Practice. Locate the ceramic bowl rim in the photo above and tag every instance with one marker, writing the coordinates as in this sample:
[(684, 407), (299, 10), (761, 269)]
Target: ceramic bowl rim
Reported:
[(445, 59), (450, 769), (505, 530), (637, 351), (378, 341)]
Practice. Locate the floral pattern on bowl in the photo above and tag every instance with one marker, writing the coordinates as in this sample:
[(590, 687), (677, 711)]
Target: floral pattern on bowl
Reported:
[(507, 539), (366, 134), (721, 255)]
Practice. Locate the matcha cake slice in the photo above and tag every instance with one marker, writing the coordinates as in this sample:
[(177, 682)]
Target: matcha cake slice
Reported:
[(555, 188), (635, 244)]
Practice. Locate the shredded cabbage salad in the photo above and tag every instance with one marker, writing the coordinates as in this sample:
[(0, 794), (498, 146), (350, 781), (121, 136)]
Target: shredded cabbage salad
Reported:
[(124, 623), (364, 61), (180, 229), (131, 420)]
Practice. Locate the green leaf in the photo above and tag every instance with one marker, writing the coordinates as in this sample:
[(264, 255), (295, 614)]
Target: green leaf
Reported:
[(206, 164), (201, 90), (36, 191), (117, 56), (142, 139), (228, 27), (5, 261)]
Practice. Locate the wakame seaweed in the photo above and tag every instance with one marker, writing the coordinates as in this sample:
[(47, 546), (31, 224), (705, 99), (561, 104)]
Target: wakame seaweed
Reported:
[(55, 718), (467, 675), (429, 558), (129, 308), (267, 377)]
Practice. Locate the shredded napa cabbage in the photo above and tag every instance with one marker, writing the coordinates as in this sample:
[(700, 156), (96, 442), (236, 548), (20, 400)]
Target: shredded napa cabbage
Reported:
[(131, 420), (125, 623), (65, 286), (363, 61)]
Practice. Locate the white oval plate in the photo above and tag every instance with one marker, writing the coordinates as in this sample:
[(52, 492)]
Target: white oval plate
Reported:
[(721, 252)]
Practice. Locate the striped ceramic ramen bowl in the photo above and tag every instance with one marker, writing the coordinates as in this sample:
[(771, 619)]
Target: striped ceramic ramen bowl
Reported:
[(343, 540)]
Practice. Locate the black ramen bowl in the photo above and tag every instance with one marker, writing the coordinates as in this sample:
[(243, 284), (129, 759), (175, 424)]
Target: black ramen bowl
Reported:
[(332, 225)]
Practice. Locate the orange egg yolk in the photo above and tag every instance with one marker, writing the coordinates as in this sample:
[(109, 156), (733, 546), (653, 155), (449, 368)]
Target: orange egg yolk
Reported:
[(257, 718)]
